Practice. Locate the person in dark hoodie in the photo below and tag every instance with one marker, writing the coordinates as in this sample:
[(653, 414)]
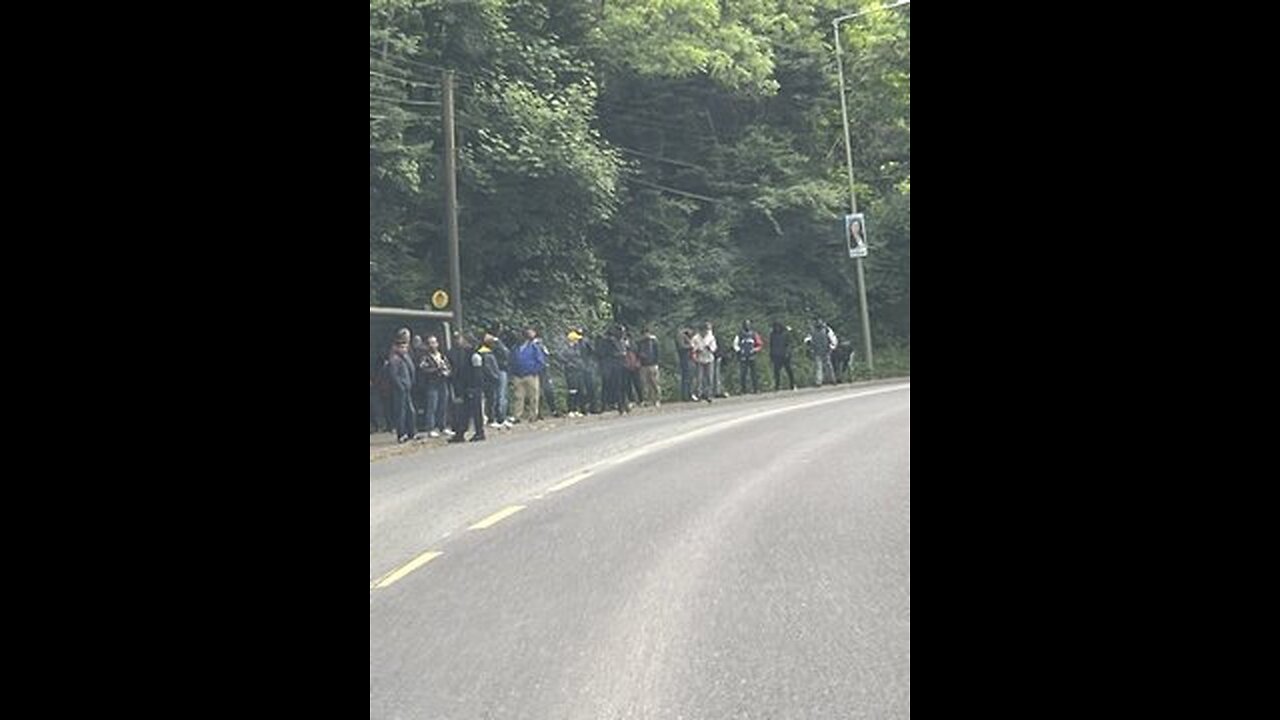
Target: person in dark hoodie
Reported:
[(632, 393), (418, 348), (469, 381), (591, 373), (780, 355), (458, 357), (612, 354)]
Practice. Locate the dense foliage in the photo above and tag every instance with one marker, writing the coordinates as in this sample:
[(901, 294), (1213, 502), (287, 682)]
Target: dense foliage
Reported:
[(644, 160)]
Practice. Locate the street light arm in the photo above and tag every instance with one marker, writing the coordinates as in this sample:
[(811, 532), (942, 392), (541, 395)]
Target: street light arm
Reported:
[(842, 18)]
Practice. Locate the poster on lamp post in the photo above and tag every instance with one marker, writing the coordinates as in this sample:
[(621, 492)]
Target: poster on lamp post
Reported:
[(855, 233)]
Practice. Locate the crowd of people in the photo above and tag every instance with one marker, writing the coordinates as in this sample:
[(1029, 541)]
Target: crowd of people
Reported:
[(495, 380)]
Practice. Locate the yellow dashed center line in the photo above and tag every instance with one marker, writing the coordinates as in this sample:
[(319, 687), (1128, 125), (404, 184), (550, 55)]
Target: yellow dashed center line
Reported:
[(409, 567), (579, 477), (497, 517)]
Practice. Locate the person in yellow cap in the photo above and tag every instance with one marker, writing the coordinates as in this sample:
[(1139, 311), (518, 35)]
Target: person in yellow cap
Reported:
[(575, 373)]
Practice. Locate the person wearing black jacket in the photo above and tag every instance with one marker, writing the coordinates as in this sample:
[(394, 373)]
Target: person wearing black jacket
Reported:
[(591, 373), (780, 355), (575, 373), (491, 377), (612, 352), (469, 383), (458, 357), (647, 350)]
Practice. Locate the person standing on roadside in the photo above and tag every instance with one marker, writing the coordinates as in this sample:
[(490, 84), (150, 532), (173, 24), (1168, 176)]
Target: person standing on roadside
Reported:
[(574, 373), (527, 363), (747, 344), (684, 353), (704, 355), (469, 381), (822, 340), (647, 352), (780, 355), (402, 373), (436, 371)]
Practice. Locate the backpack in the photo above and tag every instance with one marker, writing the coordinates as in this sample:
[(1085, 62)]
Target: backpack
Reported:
[(502, 355)]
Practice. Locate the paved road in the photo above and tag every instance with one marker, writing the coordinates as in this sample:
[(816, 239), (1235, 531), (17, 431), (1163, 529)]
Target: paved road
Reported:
[(743, 560)]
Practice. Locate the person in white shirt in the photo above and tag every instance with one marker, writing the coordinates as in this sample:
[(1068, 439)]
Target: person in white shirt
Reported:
[(704, 354)]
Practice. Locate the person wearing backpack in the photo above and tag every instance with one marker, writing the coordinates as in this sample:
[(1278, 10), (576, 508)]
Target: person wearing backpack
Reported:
[(822, 340), (747, 344), (647, 352), (527, 363)]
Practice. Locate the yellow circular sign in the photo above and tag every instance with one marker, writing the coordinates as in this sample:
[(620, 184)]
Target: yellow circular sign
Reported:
[(440, 299)]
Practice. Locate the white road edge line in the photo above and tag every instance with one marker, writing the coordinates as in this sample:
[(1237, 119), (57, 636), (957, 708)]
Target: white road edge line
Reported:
[(714, 427)]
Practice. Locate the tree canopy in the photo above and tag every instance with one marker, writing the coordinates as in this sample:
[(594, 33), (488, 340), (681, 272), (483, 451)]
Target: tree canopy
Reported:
[(647, 161)]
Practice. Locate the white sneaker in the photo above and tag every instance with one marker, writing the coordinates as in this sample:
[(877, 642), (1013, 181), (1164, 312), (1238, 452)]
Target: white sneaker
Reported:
[(657, 403), (434, 434), (506, 424), (449, 433), (694, 396), (495, 425)]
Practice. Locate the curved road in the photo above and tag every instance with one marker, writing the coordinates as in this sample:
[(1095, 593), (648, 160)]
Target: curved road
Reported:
[(748, 559)]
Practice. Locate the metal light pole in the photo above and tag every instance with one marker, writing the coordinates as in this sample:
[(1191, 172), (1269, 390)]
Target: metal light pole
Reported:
[(848, 158), (451, 198)]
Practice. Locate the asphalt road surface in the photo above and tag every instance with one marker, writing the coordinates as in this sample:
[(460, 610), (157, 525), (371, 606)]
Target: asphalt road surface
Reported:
[(740, 560)]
